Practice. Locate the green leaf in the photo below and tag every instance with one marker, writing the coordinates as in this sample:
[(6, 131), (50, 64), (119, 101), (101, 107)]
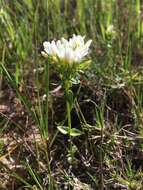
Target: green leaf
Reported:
[(63, 129), (84, 65), (75, 132)]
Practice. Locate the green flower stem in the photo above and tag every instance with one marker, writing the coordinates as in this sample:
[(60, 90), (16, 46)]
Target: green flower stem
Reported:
[(69, 107), (69, 126), (69, 115)]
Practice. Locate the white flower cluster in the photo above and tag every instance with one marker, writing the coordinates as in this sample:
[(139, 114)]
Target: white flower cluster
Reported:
[(70, 51)]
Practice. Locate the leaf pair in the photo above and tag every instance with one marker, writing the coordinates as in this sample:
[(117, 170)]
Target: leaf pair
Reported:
[(72, 132)]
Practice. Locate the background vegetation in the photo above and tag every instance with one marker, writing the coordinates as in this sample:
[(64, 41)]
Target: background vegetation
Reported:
[(109, 99)]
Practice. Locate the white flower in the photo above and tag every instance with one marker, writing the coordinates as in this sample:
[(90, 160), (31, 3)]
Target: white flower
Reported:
[(71, 51)]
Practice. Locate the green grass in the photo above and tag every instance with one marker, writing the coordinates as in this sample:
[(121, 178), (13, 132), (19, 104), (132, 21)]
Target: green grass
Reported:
[(108, 106)]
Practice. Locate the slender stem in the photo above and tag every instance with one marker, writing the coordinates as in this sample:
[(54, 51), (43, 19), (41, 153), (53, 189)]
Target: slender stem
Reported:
[(69, 126), (68, 106), (69, 115)]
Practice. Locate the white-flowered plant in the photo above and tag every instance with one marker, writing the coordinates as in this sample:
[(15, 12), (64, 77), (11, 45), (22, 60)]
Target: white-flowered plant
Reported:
[(70, 58), (69, 51)]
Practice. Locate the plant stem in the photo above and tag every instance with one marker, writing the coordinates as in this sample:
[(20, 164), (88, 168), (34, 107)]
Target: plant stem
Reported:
[(69, 127)]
